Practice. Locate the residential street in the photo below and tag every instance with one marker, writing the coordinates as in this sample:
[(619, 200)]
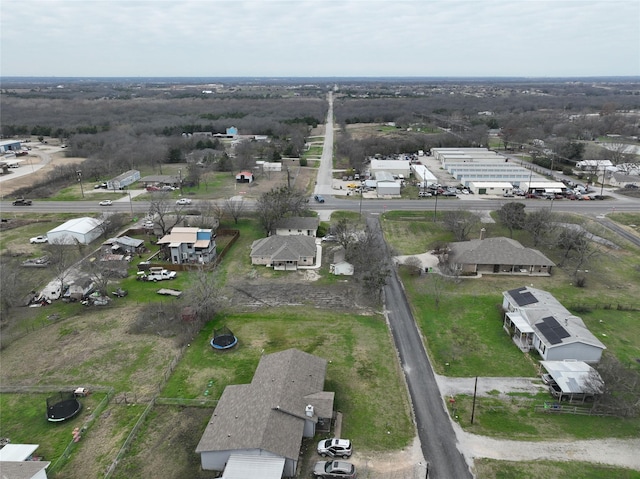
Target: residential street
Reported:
[(437, 437)]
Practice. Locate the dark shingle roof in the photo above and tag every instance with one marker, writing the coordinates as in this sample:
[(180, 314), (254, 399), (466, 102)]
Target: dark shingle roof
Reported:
[(497, 251), (298, 223), (285, 248), (269, 413)]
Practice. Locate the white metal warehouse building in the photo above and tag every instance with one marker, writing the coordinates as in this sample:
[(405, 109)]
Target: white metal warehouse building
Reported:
[(82, 230)]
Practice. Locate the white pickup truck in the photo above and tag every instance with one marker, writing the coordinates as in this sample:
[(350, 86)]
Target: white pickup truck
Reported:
[(159, 274)]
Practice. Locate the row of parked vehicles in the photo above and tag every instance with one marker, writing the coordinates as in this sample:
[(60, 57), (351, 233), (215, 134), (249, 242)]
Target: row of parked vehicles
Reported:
[(335, 448)]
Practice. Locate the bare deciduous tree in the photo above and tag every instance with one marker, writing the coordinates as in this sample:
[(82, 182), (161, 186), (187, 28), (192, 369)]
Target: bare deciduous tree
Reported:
[(162, 210), (512, 215), (234, 208), (539, 224), (62, 256), (414, 265), (618, 388), (460, 223), (278, 203)]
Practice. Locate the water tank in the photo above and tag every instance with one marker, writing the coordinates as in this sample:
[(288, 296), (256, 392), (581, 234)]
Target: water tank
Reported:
[(309, 410)]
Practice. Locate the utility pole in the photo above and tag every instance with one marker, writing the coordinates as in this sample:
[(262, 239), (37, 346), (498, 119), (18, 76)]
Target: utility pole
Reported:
[(79, 173), (435, 208), (473, 408)]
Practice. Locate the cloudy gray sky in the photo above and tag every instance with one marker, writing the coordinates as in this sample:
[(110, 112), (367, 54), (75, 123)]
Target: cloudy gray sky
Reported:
[(345, 38)]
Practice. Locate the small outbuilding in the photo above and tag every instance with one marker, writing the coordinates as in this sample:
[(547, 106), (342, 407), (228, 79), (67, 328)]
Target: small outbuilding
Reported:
[(244, 177)]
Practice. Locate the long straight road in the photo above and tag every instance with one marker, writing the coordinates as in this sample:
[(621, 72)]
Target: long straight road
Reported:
[(437, 437)]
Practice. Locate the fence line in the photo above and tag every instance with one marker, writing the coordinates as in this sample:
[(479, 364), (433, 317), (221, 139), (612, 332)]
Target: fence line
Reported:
[(187, 402), (61, 461), (555, 408)]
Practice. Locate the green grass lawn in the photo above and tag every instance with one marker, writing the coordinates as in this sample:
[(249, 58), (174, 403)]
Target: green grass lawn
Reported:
[(516, 419), (468, 321), (368, 385), (540, 469)]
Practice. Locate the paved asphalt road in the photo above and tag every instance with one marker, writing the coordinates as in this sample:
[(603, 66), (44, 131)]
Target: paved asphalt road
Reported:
[(437, 437)]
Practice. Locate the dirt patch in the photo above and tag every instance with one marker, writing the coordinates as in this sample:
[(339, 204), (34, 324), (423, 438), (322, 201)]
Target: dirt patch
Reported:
[(10, 184)]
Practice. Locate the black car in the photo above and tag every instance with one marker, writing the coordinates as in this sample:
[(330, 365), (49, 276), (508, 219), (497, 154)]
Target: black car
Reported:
[(318, 198), (22, 202)]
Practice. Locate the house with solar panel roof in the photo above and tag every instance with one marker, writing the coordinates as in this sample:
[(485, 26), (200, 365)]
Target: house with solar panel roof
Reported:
[(535, 319)]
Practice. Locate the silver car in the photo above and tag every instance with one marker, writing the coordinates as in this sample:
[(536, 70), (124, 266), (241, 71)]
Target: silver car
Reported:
[(332, 469)]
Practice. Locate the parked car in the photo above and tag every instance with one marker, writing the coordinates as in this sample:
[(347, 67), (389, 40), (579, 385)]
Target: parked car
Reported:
[(318, 198), (101, 185), (449, 193), (183, 201), (508, 195), (22, 202), (38, 239), (335, 447), (331, 469), (148, 225), (106, 203), (330, 238), (424, 194), (120, 293)]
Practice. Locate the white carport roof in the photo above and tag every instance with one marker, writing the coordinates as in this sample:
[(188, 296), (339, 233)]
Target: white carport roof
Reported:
[(572, 376), (240, 466)]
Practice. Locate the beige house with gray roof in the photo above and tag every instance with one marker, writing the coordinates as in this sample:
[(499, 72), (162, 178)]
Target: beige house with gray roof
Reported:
[(297, 225), (497, 256), (284, 253), (268, 418)]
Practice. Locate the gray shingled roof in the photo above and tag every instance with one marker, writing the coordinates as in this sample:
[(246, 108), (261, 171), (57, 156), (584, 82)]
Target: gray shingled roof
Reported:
[(298, 223), (269, 413), (496, 251), (285, 248)]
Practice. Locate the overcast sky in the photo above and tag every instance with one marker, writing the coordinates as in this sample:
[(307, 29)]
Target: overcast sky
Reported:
[(311, 38)]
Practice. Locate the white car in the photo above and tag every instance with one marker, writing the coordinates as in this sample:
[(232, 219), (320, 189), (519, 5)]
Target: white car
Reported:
[(106, 203), (38, 239), (183, 201), (335, 447)]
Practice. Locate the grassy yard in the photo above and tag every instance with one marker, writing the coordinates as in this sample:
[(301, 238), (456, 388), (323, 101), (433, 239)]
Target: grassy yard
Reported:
[(540, 469), (467, 313), (516, 419), (362, 364)]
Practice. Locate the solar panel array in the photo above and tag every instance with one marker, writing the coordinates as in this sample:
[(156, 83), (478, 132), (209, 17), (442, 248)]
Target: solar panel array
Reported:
[(522, 297), (552, 330)]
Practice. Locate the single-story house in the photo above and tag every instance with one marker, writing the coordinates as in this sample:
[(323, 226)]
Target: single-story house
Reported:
[(258, 428), (124, 244), (297, 225), (574, 380), (17, 461), (536, 320), (81, 230), (244, 177), (622, 179), (284, 253), (161, 180), (190, 245), (498, 256)]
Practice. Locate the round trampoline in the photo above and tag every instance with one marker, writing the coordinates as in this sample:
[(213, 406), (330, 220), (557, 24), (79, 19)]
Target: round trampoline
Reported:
[(223, 338), (62, 407)]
